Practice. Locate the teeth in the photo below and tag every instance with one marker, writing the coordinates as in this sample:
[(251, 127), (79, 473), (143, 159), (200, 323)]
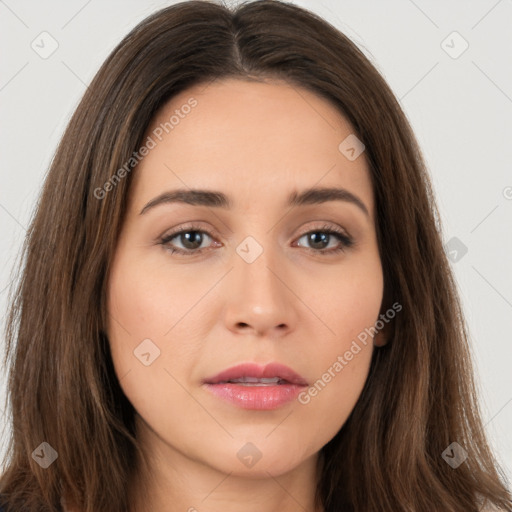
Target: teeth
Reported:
[(254, 381)]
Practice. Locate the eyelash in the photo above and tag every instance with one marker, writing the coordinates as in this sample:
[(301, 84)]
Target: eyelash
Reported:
[(346, 241)]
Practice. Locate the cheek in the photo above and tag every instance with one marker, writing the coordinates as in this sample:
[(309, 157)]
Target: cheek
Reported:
[(144, 319), (333, 393), (347, 300), (341, 369), (143, 299), (349, 308), (148, 301), (145, 315)]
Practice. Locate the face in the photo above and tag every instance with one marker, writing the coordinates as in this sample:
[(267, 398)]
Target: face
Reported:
[(283, 289)]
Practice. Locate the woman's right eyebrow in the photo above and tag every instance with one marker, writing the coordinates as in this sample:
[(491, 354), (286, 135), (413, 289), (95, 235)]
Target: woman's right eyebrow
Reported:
[(217, 199)]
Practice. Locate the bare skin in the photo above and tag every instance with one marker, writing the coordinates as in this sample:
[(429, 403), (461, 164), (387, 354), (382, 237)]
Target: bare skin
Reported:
[(207, 311)]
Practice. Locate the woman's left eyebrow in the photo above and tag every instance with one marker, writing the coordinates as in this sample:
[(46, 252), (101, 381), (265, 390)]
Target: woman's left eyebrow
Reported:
[(216, 199)]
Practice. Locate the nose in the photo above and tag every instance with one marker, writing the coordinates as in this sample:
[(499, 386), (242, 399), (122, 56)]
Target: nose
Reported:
[(260, 298)]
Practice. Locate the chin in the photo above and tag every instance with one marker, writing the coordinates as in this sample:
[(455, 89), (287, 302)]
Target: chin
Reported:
[(259, 456)]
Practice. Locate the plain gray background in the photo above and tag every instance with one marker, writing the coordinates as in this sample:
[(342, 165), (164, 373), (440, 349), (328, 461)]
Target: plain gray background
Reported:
[(458, 100)]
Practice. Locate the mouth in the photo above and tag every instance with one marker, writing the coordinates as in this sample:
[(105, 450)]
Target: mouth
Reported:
[(250, 386), (254, 381), (253, 374)]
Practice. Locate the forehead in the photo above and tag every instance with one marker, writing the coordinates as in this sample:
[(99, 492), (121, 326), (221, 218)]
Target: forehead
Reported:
[(252, 140)]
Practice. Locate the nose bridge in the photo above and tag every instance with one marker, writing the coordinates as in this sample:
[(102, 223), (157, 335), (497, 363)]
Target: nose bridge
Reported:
[(257, 265), (258, 295)]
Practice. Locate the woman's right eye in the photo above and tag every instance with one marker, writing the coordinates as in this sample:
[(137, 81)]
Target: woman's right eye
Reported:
[(196, 237)]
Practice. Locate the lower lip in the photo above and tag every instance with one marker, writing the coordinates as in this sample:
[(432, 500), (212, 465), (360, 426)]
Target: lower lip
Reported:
[(260, 398)]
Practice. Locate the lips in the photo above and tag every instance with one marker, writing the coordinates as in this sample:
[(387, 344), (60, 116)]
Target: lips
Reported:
[(250, 386), (252, 374)]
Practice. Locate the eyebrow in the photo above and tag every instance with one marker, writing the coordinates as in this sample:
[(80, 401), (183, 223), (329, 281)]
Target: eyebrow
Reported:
[(215, 199)]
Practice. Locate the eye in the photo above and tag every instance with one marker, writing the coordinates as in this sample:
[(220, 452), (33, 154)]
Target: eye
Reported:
[(192, 238), (323, 235)]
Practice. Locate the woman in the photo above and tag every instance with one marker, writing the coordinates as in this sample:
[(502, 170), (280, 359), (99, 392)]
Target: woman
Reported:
[(235, 290)]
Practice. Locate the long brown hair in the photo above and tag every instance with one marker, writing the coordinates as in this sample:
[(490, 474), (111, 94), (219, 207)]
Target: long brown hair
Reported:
[(419, 397)]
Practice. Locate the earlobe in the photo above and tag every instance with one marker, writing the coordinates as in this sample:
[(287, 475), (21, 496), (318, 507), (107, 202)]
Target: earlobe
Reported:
[(383, 335), (385, 323), (380, 339)]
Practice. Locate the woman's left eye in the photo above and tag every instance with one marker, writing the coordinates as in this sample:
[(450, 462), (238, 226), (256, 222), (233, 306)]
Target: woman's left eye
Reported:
[(193, 237)]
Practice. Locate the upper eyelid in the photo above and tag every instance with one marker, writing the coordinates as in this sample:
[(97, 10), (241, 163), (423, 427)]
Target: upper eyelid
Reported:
[(196, 227)]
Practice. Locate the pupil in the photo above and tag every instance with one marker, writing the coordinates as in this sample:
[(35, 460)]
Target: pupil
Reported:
[(189, 237), (313, 239)]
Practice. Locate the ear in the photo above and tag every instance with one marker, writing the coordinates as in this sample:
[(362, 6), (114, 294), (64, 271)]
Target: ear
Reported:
[(382, 337), (385, 334)]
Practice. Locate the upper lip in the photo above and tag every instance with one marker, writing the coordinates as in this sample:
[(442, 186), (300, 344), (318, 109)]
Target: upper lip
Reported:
[(254, 370)]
